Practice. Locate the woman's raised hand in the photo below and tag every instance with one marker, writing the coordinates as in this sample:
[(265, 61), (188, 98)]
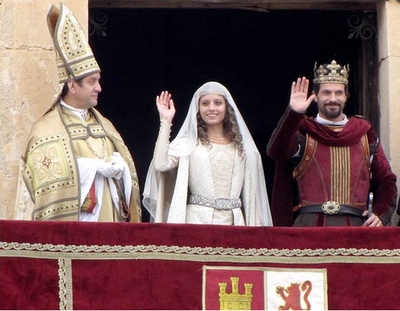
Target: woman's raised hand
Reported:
[(165, 106)]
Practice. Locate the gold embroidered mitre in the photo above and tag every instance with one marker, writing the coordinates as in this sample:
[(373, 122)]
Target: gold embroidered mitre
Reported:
[(331, 73), (74, 56)]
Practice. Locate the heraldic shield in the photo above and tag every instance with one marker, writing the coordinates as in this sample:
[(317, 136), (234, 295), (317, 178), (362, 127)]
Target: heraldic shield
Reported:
[(259, 288)]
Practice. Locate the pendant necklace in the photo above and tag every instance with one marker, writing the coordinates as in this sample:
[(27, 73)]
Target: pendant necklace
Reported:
[(86, 139)]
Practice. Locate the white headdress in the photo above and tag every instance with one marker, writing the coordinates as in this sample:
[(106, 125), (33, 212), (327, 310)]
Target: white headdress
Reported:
[(186, 140), (74, 56)]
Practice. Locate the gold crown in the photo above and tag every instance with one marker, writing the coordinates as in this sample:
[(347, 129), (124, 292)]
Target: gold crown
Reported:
[(74, 56), (331, 73)]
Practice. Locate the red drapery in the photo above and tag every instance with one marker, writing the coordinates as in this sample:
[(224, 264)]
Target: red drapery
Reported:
[(76, 265)]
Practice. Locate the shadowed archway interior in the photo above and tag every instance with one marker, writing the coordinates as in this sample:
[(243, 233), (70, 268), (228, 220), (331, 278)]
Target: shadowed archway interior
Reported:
[(256, 55)]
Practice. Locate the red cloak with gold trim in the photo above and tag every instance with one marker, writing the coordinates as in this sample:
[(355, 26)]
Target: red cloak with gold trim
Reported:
[(284, 144)]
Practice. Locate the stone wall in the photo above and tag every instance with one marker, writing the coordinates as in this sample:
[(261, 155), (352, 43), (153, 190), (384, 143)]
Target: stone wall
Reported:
[(389, 83), (28, 81), (389, 88)]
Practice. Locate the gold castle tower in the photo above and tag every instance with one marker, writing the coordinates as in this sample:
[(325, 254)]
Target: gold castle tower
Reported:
[(234, 300)]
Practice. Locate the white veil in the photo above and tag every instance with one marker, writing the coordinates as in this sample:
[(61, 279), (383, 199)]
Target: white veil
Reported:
[(185, 142)]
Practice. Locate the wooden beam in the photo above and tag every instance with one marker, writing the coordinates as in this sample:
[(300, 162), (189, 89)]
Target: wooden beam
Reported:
[(260, 5)]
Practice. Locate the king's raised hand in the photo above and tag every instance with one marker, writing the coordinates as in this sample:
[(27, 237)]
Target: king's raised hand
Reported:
[(298, 97)]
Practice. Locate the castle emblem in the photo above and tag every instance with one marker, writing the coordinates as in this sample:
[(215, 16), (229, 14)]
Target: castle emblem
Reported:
[(234, 300)]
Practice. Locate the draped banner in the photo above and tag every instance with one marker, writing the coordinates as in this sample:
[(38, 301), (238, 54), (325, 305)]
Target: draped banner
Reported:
[(75, 265)]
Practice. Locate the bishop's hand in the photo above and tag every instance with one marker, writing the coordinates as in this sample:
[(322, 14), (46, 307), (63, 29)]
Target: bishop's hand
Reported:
[(298, 97), (165, 106), (111, 167)]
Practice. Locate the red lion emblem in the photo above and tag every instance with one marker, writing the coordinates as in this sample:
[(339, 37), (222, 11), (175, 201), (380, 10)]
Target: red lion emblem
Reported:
[(293, 297)]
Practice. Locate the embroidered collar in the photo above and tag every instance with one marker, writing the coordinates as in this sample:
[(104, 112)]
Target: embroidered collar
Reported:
[(80, 113)]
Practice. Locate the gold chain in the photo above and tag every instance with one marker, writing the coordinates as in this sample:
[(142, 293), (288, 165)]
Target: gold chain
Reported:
[(95, 152), (86, 139)]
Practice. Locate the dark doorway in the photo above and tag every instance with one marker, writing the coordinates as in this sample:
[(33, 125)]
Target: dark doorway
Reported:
[(256, 55)]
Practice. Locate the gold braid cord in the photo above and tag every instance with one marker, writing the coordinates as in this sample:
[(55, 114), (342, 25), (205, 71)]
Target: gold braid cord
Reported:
[(199, 254), (65, 283)]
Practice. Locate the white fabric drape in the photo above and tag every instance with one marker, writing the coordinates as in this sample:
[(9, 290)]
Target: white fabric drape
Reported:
[(182, 146), (88, 175)]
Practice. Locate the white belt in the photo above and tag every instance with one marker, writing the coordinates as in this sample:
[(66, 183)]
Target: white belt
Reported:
[(220, 203)]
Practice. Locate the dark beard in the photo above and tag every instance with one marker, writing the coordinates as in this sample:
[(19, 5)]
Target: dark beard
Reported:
[(333, 114)]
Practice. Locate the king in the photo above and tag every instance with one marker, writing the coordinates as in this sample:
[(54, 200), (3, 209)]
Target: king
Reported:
[(335, 161)]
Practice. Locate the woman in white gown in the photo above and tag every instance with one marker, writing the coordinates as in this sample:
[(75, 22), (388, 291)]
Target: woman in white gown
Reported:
[(211, 173)]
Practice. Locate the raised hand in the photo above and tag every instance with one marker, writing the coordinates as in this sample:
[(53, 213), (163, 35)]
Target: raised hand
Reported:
[(165, 106), (298, 97)]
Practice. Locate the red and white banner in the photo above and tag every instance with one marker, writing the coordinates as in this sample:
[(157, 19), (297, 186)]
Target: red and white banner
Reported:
[(250, 288)]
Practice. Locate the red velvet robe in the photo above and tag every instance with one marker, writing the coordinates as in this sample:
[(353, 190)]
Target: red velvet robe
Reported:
[(283, 145)]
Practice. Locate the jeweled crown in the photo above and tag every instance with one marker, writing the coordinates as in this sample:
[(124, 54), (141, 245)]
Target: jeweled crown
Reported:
[(331, 73)]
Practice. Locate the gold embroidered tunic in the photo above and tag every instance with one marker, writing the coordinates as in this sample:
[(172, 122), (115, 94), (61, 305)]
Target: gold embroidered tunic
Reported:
[(51, 172)]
